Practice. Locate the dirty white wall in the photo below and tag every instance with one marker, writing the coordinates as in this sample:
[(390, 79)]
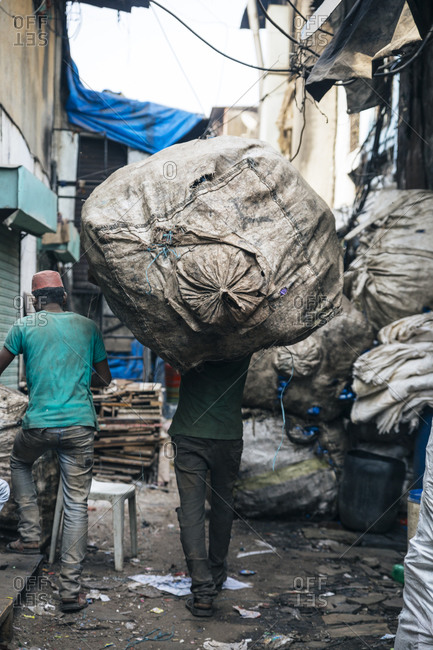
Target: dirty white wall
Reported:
[(344, 194), (65, 150), (276, 53), (135, 156)]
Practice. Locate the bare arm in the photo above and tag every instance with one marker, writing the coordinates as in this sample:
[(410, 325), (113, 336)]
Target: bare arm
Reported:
[(6, 358), (102, 375)]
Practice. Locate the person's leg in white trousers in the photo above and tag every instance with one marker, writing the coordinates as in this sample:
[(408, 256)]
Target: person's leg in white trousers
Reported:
[(415, 628)]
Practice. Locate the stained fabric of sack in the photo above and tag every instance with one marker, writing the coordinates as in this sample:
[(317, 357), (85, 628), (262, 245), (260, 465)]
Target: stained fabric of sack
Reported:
[(323, 363), (391, 276), (233, 254)]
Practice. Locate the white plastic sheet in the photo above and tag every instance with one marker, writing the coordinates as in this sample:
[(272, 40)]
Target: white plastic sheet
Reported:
[(181, 586)]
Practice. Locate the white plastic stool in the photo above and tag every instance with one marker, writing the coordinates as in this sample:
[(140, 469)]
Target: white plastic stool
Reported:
[(116, 494)]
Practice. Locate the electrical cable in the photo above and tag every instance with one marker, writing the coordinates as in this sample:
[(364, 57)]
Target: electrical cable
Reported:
[(39, 8), (280, 29), (7, 12), (283, 412), (227, 56), (405, 65)]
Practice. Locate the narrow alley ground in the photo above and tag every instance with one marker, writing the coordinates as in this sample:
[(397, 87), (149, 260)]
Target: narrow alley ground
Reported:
[(322, 586)]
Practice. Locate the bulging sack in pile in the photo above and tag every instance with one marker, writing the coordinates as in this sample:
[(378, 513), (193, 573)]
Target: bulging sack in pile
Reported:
[(261, 386), (322, 364), (213, 249), (391, 277), (13, 405), (394, 381), (301, 483)]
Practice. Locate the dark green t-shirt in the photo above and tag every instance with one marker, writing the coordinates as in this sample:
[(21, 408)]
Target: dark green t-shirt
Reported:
[(210, 401)]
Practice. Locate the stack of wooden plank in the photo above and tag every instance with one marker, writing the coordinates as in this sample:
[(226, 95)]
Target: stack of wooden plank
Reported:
[(130, 419)]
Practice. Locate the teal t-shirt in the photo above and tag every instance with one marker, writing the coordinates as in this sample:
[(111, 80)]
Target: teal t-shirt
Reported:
[(59, 350), (210, 401)]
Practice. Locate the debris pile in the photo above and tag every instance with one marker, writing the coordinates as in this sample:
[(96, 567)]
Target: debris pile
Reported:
[(318, 370)]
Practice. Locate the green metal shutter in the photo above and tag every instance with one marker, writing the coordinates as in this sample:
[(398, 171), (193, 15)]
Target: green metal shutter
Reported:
[(9, 290)]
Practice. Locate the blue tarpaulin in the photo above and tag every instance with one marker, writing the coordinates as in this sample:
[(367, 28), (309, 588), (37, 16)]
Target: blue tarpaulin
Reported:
[(123, 368), (141, 125)]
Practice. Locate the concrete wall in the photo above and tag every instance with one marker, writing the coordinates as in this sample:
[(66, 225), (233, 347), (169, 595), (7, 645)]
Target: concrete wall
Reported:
[(28, 86), (30, 55)]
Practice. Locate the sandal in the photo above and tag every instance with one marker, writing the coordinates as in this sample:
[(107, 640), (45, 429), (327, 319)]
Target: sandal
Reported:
[(25, 548), (199, 608), (74, 604)]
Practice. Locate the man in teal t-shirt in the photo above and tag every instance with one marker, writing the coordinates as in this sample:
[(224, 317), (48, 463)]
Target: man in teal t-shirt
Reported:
[(60, 351), (207, 436)]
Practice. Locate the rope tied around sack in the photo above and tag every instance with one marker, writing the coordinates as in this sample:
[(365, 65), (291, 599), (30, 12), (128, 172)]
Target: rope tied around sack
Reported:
[(164, 250)]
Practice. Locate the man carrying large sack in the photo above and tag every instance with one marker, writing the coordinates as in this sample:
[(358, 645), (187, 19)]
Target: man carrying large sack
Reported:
[(60, 349), (207, 436)]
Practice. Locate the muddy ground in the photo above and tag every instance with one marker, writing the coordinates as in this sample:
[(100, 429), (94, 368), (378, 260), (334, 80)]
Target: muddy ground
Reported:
[(321, 586)]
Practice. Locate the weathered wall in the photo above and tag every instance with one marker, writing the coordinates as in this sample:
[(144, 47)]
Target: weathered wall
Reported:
[(308, 134), (28, 85)]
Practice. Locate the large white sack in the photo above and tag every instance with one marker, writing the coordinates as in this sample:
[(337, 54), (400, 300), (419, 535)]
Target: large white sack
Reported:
[(213, 249), (391, 277), (394, 381), (301, 484)]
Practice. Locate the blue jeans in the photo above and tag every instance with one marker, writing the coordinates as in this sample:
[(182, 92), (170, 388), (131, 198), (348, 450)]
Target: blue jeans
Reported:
[(74, 447)]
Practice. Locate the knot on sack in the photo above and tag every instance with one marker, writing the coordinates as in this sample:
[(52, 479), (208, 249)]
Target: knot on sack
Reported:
[(222, 285)]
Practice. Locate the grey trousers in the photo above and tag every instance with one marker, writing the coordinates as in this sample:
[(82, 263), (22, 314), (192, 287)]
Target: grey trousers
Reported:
[(194, 457), (74, 447), (415, 627)]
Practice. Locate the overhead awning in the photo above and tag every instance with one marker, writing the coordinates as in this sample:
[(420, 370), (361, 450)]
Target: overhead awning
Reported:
[(64, 243), (370, 31), (25, 202)]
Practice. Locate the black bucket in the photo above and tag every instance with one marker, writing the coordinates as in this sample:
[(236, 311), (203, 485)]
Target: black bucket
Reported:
[(370, 490)]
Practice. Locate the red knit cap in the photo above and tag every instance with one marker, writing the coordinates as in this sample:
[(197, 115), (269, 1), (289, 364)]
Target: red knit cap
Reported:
[(46, 280)]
